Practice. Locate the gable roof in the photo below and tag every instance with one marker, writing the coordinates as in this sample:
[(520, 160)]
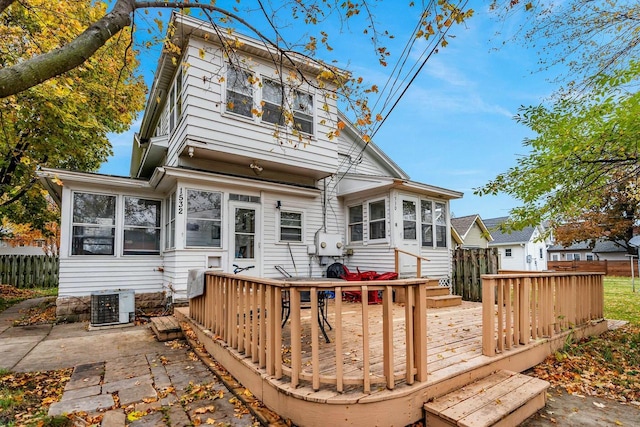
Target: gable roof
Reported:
[(462, 225), (515, 237)]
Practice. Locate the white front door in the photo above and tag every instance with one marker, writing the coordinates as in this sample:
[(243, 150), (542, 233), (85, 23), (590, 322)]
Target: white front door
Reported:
[(408, 233), (245, 238)]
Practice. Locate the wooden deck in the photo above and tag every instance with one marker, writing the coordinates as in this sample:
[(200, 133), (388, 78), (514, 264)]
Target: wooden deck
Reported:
[(347, 381)]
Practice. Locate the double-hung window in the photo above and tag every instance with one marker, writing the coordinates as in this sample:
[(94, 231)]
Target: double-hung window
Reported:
[(377, 220), (204, 218), (441, 225), (272, 102), (434, 223), (141, 226), (355, 223), (94, 224), (170, 222), (287, 107), (303, 112), (290, 226), (409, 220), (239, 92), (426, 216)]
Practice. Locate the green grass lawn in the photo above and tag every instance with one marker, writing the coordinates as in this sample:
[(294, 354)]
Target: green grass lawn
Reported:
[(620, 302)]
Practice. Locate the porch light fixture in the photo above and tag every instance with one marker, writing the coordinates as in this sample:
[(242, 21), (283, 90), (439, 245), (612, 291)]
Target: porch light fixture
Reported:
[(278, 204), (190, 151), (257, 169)]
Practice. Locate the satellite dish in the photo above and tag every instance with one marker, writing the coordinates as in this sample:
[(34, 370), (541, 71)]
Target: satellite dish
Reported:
[(635, 241)]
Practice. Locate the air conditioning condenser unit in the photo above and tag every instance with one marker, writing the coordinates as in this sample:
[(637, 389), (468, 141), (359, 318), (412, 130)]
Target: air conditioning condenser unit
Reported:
[(112, 307)]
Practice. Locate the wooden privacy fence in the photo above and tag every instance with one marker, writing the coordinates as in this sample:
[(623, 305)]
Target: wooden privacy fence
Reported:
[(519, 307), (468, 267), (29, 271), (610, 268), (245, 313)]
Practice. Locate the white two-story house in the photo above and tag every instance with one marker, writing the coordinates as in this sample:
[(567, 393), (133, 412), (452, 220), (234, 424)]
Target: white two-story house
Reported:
[(223, 176)]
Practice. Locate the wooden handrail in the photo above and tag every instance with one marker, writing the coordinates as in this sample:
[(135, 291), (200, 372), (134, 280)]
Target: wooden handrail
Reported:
[(419, 258), (244, 313), (525, 306)]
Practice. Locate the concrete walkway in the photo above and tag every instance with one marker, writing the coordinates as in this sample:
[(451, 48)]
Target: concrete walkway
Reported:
[(121, 370)]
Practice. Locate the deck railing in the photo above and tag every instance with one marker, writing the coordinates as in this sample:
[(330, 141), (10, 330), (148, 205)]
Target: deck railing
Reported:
[(245, 313), (520, 307)]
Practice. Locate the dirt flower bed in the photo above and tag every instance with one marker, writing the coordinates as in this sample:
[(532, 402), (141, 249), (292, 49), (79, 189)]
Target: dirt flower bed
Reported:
[(606, 366)]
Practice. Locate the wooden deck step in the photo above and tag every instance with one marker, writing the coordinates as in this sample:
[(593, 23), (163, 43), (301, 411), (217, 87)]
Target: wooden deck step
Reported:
[(502, 399), (435, 291), (166, 328), (444, 301)]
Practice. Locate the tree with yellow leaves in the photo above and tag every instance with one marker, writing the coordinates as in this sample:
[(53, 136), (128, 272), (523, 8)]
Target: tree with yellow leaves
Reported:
[(64, 121)]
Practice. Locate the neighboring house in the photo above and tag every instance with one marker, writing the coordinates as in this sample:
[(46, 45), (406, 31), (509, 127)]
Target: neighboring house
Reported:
[(9, 247), (470, 232), (220, 179), (582, 251), (521, 250)]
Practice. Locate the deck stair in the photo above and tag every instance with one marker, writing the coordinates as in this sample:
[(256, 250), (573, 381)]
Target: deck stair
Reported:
[(166, 328), (439, 296), (503, 399)]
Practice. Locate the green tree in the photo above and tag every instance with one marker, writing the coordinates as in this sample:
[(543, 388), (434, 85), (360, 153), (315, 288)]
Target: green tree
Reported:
[(64, 121), (585, 149)]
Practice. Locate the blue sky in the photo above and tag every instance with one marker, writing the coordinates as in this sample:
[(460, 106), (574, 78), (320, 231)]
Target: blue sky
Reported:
[(454, 127)]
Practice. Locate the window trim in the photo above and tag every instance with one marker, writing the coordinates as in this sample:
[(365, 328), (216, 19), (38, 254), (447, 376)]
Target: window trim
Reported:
[(302, 227)]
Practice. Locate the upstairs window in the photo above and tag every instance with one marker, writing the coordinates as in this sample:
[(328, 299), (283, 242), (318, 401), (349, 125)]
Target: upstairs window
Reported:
[(94, 224), (287, 107), (141, 226), (272, 98), (355, 223), (303, 112), (377, 220), (290, 226), (239, 92)]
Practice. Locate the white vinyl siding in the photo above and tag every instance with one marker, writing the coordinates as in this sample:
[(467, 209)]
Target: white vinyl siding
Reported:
[(205, 108)]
